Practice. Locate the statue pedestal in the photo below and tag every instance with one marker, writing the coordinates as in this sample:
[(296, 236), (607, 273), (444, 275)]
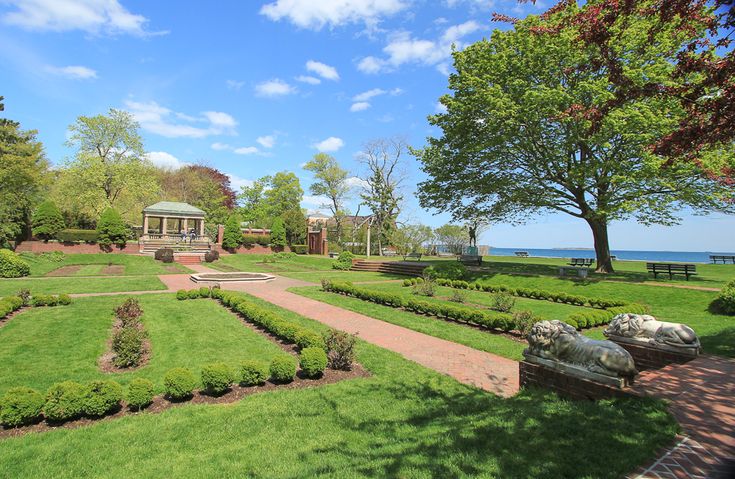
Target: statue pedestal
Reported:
[(653, 355), (570, 381)]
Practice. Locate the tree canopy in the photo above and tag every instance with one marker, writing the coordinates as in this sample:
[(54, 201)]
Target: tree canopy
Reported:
[(517, 139), (330, 182)]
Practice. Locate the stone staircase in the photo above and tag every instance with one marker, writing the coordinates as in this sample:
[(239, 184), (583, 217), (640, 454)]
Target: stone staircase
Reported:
[(393, 267), (149, 246), (188, 258)]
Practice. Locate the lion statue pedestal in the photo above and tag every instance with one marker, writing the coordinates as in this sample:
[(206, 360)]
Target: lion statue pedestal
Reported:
[(558, 346)]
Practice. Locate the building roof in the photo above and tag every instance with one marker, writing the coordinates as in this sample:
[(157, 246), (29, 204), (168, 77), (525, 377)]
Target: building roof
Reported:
[(174, 208)]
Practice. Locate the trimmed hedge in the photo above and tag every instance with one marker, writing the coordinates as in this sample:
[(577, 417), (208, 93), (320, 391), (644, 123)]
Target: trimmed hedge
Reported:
[(343, 261), (20, 406), (12, 266), (300, 248), (64, 401), (253, 372), (165, 255), (140, 393), (75, 235), (313, 362), (10, 304), (179, 383), (101, 397), (217, 378), (306, 338), (283, 369)]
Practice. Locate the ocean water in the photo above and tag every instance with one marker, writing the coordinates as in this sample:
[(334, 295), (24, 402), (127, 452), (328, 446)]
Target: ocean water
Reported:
[(673, 256)]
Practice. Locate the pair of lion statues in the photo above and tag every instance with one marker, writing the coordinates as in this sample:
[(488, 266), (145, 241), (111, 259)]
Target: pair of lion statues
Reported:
[(558, 341)]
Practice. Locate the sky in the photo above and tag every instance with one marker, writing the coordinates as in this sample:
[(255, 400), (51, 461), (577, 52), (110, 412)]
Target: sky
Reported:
[(257, 87)]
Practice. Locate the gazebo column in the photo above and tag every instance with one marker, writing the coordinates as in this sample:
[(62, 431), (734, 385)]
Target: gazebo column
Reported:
[(164, 225), (186, 225), (145, 225), (201, 227)]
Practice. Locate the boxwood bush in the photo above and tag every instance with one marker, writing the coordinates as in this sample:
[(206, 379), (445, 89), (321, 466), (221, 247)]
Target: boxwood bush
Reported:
[(253, 372), (283, 369), (179, 383), (725, 301), (452, 270), (64, 401), (140, 393), (76, 235), (343, 261), (313, 362), (217, 378), (101, 397), (19, 406), (10, 304), (12, 266), (306, 338), (340, 349)]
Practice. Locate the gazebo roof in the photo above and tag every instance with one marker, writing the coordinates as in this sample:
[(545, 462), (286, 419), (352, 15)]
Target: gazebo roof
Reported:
[(174, 208)]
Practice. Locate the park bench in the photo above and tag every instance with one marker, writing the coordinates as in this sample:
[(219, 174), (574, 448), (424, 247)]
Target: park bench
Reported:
[(580, 271), (522, 254), (333, 254), (586, 262), (671, 269), (470, 259), (416, 256), (724, 259), (445, 254), (389, 252)]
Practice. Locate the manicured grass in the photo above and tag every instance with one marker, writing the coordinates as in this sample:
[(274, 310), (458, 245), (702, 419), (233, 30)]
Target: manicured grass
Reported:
[(94, 263), (81, 285), (336, 275), (405, 421), (46, 345), (459, 333), (254, 263)]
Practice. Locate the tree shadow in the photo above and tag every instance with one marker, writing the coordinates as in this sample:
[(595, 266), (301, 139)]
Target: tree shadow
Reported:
[(721, 343)]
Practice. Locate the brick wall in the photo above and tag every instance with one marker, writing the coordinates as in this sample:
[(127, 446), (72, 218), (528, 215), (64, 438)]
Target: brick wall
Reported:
[(650, 358), (565, 385), (83, 248), (255, 249)]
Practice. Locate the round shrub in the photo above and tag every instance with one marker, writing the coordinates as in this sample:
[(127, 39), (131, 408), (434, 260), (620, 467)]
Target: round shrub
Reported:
[(178, 383), (101, 397), (305, 338), (204, 292), (182, 294), (343, 261), (140, 393), (313, 362), (12, 266), (211, 256), (64, 401), (217, 378), (20, 406), (194, 294), (253, 372), (725, 301), (283, 369), (64, 299), (165, 255), (47, 221), (453, 270)]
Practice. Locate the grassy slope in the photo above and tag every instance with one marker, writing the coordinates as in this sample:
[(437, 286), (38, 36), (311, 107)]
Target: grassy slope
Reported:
[(46, 345), (72, 285), (405, 421), (254, 263), (41, 265)]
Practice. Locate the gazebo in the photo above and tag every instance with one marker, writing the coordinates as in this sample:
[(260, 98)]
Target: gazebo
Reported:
[(168, 218)]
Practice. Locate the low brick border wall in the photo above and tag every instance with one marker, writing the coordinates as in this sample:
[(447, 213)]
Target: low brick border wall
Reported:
[(567, 386), (647, 357), (82, 248)]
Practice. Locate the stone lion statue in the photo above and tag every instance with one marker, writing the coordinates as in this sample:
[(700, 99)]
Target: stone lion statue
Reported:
[(649, 329), (558, 341)]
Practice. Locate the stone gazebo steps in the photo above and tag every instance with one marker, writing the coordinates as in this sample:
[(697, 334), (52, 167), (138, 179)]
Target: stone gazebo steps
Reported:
[(149, 246), (188, 258), (393, 267)]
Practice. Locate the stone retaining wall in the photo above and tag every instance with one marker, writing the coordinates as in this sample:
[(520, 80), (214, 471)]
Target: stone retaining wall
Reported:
[(565, 385), (83, 248), (647, 357)]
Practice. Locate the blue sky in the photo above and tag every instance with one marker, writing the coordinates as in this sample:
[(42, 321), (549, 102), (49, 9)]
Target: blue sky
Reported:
[(258, 87)]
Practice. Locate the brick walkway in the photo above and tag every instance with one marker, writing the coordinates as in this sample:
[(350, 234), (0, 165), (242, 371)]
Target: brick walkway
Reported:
[(470, 366)]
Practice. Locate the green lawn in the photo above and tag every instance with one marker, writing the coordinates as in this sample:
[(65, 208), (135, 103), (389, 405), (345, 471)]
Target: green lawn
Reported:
[(70, 285), (45, 345), (336, 275), (254, 263), (92, 264), (404, 421)]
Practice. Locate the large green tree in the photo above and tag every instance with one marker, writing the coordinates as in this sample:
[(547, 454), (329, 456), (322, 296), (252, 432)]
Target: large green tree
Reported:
[(47, 220), (23, 177), (270, 197), (202, 186), (454, 237), (109, 168), (330, 182), (517, 137)]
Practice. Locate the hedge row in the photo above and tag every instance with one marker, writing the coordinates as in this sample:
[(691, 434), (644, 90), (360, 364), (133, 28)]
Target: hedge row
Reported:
[(555, 297), (10, 304), (74, 235), (488, 319), (590, 319)]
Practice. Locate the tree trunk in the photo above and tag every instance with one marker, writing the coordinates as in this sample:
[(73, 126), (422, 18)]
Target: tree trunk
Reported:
[(602, 245)]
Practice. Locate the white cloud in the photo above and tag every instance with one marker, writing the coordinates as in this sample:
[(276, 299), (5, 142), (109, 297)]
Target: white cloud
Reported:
[(267, 141), (273, 88), (330, 144), (221, 146), (161, 121), (74, 72), (165, 160), (308, 79), (367, 95), (318, 201), (396, 91), (237, 183), (92, 16), (440, 107), (355, 182), (402, 48), (359, 106), (322, 69), (316, 14), (246, 150), (234, 84)]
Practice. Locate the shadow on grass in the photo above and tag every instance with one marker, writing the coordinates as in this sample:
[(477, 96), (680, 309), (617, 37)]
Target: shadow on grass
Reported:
[(473, 433), (721, 343)]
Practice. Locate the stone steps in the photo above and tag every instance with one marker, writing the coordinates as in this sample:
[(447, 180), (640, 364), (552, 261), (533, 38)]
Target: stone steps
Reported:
[(392, 267)]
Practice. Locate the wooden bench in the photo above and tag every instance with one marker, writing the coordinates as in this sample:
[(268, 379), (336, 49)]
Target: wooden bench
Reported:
[(389, 252), (585, 262), (580, 271), (445, 255), (470, 259), (416, 256), (521, 254), (332, 254), (724, 259), (671, 269)]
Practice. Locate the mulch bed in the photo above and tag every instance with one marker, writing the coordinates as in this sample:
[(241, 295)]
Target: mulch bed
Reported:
[(113, 269), (160, 403), (65, 270)]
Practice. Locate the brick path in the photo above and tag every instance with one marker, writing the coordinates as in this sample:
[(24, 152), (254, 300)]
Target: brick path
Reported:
[(470, 366)]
